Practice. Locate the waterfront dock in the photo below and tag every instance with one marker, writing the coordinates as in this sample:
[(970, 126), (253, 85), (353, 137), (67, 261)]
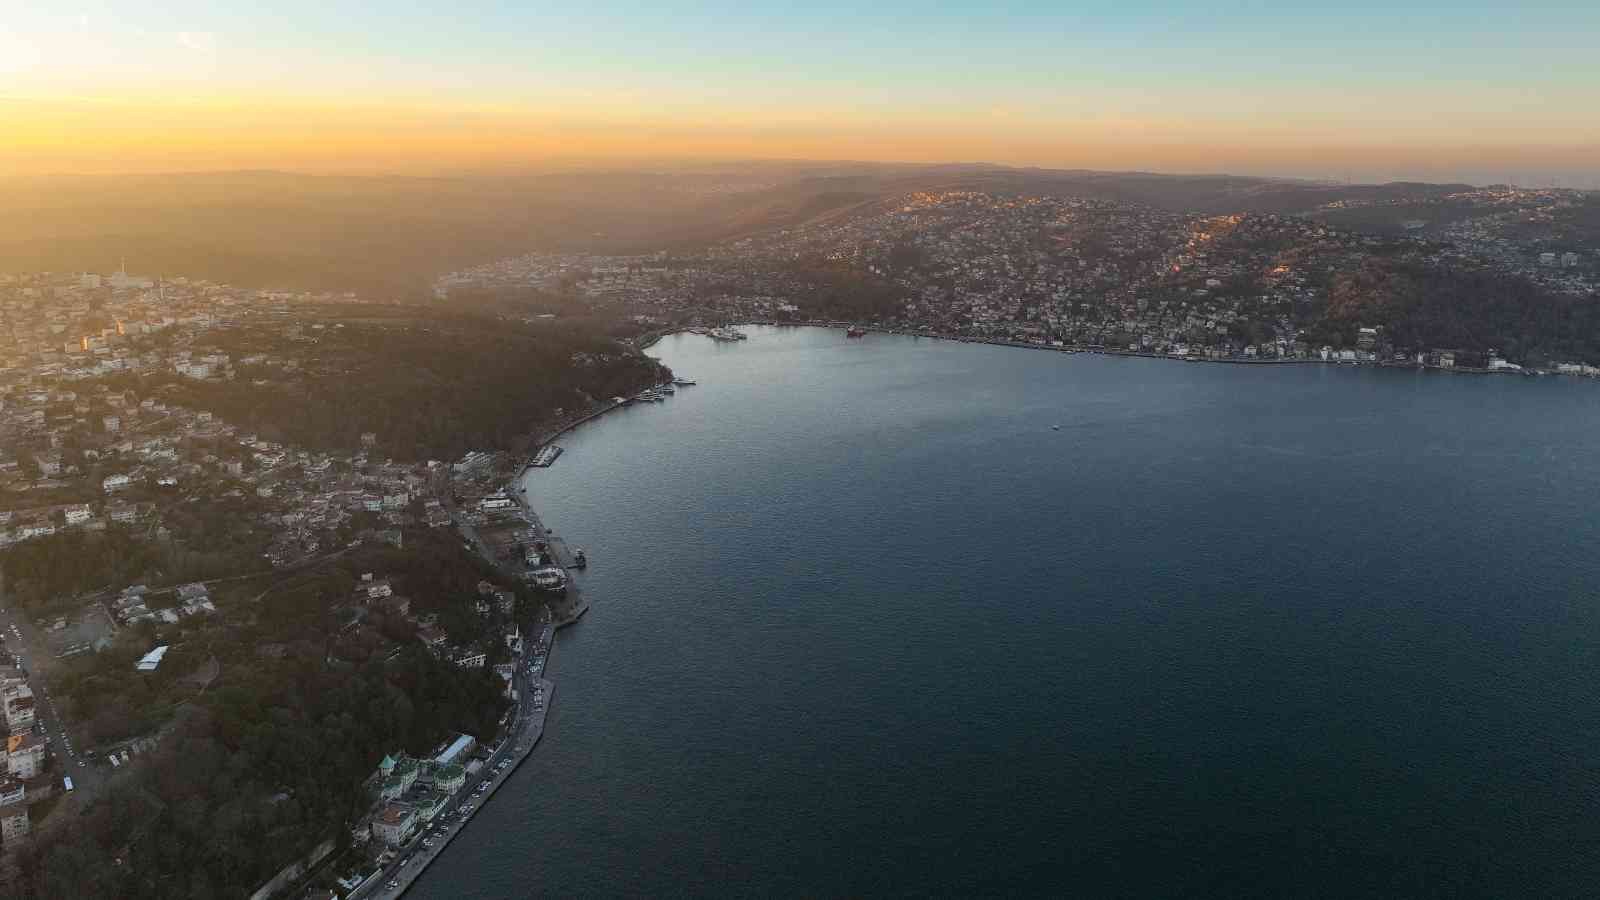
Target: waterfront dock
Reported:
[(569, 607), (546, 456)]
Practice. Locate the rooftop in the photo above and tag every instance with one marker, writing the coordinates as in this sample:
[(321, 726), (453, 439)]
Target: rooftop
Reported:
[(152, 659)]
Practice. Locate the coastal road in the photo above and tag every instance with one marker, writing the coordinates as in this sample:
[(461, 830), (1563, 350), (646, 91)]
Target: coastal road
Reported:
[(524, 730)]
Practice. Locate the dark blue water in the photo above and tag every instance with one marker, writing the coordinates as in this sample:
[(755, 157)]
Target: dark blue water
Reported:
[(864, 623)]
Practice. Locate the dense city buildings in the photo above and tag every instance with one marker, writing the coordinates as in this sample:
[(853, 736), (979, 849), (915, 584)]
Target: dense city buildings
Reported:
[(1111, 275)]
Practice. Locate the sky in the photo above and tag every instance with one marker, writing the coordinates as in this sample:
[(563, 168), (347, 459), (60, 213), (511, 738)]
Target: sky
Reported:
[(1361, 90)]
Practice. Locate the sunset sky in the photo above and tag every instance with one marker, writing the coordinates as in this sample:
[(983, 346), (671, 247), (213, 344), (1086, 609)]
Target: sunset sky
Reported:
[(1367, 90)]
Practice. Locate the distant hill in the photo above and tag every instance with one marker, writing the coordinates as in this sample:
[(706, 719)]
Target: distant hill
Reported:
[(392, 235)]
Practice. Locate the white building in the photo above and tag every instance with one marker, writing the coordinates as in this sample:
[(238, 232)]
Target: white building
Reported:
[(20, 709), (457, 750), (13, 811), (394, 823), (24, 755), (152, 660)]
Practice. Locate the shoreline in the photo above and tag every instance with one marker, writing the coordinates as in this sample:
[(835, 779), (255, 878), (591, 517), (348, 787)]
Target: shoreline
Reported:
[(527, 729), (514, 748), (650, 339), (578, 604)]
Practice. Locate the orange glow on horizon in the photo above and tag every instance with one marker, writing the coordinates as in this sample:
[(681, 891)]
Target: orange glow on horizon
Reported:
[(91, 135)]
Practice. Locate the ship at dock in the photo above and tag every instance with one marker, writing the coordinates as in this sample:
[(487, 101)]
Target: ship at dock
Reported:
[(546, 455), (550, 579), (855, 331)]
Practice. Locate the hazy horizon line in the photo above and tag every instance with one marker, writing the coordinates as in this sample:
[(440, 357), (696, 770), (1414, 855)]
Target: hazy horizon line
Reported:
[(678, 166)]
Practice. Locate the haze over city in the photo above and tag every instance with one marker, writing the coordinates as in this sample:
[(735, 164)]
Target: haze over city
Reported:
[(1473, 92)]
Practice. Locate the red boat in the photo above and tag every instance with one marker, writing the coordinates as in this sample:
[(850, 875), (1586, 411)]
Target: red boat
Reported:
[(856, 332)]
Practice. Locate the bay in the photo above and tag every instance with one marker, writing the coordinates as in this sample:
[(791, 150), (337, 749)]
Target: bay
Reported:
[(902, 616)]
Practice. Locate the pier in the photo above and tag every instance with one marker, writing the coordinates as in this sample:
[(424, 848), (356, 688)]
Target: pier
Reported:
[(569, 607), (546, 455)]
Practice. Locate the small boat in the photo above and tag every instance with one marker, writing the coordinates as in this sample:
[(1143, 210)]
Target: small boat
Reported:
[(1055, 427), (579, 561), (683, 382), (667, 389), (855, 331)]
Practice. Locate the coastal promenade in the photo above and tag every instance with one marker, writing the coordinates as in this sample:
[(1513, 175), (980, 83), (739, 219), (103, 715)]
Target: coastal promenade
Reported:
[(535, 694)]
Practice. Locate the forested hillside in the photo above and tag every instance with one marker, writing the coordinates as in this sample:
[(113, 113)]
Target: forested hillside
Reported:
[(430, 385)]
